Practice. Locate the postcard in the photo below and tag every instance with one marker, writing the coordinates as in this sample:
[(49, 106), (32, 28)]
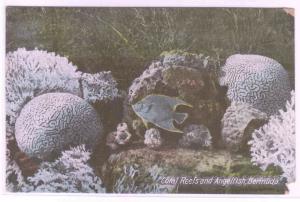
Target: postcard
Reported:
[(150, 100)]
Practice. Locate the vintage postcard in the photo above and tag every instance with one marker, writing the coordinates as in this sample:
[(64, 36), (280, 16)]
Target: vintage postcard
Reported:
[(164, 100)]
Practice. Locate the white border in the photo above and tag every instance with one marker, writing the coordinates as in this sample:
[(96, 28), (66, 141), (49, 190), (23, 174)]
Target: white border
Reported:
[(155, 3), (145, 3)]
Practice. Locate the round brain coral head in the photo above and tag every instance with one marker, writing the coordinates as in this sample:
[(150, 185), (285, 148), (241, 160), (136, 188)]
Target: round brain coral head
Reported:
[(52, 122), (257, 80)]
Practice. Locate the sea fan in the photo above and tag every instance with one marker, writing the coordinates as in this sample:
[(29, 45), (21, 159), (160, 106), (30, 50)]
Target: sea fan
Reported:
[(274, 143)]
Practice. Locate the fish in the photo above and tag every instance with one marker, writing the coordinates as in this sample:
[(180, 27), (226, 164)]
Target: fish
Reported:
[(160, 111)]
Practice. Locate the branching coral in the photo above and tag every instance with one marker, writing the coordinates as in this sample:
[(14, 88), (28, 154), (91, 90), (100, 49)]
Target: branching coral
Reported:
[(274, 143), (257, 80), (69, 173)]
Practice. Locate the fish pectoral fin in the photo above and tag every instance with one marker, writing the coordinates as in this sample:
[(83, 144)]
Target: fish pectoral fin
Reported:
[(169, 126), (146, 123), (180, 117)]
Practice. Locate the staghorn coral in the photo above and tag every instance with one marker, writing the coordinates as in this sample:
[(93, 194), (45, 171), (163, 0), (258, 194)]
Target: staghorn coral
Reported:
[(51, 122), (69, 173), (274, 143), (236, 124), (195, 136), (257, 80), (36, 72), (153, 138)]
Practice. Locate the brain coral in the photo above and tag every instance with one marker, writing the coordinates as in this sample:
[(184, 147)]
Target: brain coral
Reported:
[(52, 122), (257, 80)]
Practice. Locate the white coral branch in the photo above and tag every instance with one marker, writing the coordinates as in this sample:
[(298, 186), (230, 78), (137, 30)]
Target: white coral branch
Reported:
[(69, 173), (274, 143)]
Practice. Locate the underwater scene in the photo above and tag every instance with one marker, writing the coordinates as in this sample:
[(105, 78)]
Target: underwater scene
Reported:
[(150, 100)]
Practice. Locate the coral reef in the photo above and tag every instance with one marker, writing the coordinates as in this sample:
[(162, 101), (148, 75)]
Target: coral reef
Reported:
[(70, 173), (195, 136), (36, 72), (274, 143), (257, 80), (238, 123), (145, 171), (153, 138), (51, 122)]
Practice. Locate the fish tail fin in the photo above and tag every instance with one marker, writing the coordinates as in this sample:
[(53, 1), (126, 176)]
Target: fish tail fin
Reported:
[(180, 117)]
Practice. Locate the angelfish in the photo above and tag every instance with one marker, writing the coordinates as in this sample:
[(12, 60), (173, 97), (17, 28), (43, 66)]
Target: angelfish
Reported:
[(160, 110)]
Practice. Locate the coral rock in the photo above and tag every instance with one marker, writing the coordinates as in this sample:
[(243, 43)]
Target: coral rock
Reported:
[(152, 138), (194, 83), (195, 136), (99, 87), (122, 135), (179, 57), (238, 123), (257, 80), (118, 138), (52, 122)]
